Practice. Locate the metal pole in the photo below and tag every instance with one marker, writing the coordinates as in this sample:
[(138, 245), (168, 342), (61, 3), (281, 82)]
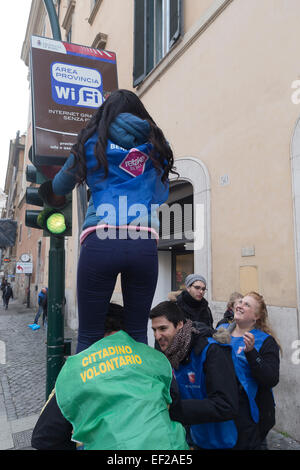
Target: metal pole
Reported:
[(56, 293), (56, 274), (53, 19), (28, 291)]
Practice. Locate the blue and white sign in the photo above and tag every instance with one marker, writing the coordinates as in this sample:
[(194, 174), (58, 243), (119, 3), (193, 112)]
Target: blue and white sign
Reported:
[(73, 85), (69, 82)]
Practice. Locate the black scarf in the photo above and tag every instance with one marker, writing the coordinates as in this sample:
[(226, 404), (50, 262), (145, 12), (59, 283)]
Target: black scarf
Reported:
[(181, 344), (191, 302)]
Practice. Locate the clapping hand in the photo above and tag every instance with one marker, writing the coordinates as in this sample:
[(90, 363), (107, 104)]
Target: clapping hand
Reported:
[(249, 341)]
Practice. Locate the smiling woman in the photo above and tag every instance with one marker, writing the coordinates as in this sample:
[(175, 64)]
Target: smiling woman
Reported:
[(246, 314), (251, 312), (256, 361)]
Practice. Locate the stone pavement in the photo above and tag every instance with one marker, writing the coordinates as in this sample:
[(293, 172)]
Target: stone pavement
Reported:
[(22, 374), (23, 379)]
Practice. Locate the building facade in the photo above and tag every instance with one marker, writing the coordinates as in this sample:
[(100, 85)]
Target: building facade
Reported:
[(220, 78), (30, 244)]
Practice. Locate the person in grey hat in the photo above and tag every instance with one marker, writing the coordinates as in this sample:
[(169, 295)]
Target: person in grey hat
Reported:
[(191, 300), (191, 278)]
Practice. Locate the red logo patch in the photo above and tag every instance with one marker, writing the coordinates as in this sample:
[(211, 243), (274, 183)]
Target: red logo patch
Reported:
[(192, 377), (134, 162)]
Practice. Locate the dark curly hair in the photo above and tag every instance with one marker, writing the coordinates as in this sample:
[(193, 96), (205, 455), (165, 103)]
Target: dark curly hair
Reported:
[(114, 320), (121, 101)]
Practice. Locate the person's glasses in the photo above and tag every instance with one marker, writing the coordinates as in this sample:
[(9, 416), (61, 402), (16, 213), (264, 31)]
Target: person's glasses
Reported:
[(203, 289)]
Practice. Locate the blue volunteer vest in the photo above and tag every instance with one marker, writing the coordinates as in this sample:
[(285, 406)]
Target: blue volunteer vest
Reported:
[(132, 191), (242, 367), (191, 382)]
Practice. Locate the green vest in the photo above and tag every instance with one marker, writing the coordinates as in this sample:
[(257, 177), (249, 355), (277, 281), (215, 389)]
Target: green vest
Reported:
[(116, 395)]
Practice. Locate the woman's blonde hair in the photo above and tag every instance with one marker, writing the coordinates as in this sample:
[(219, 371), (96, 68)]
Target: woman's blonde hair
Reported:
[(262, 323)]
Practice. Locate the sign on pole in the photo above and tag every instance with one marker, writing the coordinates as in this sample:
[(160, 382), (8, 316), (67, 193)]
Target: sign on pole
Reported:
[(23, 268), (69, 83)]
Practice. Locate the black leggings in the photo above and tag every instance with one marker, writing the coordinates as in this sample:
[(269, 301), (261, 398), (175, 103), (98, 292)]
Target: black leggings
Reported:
[(99, 264)]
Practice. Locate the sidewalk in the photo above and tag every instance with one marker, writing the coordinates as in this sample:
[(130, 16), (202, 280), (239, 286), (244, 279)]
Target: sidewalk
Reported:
[(22, 374), (23, 379)]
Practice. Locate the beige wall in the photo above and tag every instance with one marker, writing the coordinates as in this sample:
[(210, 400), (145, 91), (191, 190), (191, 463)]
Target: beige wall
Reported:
[(239, 122), (193, 10), (236, 88), (115, 18)]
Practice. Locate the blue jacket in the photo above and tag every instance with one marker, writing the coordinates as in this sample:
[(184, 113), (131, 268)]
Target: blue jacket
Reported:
[(243, 370), (41, 297), (133, 189), (191, 379)]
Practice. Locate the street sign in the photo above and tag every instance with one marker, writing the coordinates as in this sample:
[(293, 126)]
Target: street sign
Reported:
[(69, 83), (23, 268)]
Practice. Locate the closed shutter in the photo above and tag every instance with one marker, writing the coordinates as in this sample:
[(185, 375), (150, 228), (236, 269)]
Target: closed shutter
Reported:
[(139, 65), (149, 35), (144, 37), (177, 223), (183, 223), (175, 21)]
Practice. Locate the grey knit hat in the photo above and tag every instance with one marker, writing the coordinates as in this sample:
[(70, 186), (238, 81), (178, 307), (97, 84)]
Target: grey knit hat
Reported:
[(191, 278)]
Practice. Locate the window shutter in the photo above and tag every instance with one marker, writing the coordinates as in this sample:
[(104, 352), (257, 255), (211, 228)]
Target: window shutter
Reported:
[(149, 36), (139, 59), (175, 21), (177, 223)]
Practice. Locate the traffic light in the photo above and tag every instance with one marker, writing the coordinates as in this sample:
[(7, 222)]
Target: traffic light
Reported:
[(32, 197), (55, 218)]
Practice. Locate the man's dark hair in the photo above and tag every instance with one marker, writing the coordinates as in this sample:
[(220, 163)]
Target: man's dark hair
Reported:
[(114, 319), (170, 310)]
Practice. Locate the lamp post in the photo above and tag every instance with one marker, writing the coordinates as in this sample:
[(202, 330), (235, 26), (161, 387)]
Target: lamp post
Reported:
[(53, 19)]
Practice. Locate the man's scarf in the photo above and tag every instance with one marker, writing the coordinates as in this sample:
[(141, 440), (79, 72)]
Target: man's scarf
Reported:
[(181, 343)]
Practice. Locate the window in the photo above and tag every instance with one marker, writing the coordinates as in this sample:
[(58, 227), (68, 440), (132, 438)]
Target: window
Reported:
[(157, 26), (182, 266), (176, 216)]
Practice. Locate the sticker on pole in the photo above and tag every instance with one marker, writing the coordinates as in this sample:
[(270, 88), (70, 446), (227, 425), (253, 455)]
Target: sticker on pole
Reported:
[(73, 85)]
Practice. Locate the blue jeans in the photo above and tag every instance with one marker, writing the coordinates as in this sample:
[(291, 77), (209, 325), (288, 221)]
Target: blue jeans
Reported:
[(39, 313), (99, 264)]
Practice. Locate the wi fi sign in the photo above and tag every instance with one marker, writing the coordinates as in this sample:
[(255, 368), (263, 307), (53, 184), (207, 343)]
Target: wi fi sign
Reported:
[(76, 86)]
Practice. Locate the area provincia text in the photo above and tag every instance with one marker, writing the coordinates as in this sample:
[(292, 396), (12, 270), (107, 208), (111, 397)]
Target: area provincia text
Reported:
[(153, 459)]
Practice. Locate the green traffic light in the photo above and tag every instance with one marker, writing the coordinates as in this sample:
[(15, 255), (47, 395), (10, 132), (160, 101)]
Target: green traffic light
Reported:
[(56, 223)]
